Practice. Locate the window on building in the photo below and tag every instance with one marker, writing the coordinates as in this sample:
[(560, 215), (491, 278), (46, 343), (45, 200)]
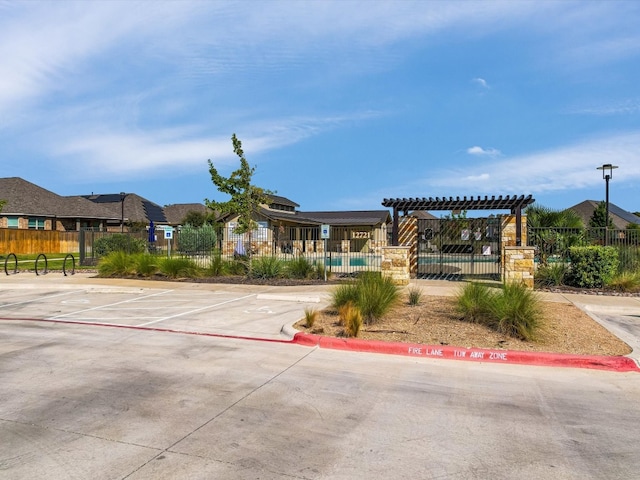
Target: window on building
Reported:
[(36, 223), (12, 222)]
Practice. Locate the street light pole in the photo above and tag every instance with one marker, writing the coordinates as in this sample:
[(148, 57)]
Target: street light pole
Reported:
[(607, 174), (122, 195)]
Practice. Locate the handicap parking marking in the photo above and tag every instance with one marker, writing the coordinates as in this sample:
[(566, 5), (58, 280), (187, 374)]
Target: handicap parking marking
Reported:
[(264, 309)]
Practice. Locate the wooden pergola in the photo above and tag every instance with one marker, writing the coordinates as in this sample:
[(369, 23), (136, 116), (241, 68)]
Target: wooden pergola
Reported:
[(514, 204)]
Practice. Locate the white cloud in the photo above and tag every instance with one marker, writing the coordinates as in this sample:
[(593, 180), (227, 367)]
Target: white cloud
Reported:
[(482, 82), (142, 153), (485, 152), (565, 168)]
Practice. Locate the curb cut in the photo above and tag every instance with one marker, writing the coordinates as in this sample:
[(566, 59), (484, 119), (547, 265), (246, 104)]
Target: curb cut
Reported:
[(481, 355)]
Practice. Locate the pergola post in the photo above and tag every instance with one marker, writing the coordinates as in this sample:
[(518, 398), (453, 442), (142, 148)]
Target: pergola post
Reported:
[(396, 227)]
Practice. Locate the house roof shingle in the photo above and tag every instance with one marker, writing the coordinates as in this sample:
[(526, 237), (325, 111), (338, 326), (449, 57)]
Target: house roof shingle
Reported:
[(26, 198), (620, 217)]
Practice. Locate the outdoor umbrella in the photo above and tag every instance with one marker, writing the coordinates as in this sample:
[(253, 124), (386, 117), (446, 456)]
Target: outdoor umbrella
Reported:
[(152, 232)]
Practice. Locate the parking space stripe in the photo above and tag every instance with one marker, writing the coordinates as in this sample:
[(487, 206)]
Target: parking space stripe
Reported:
[(111, 304), (33, 300), (196, 310)]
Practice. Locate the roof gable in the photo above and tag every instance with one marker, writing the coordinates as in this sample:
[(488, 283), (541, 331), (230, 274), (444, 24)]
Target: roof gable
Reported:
[(26, 198)]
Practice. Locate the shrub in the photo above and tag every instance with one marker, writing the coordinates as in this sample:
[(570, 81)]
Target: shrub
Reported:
[(116, 263), (351, 319), (118, 242), (371, 293), (310, 316), (300, 267), (415, 296), (516, 311), (175, 267), (266, 267), (197, 240), (145, 264), (218, 266), (593, 266), (319, 270), (238, 266), (472, 302), (551, 275), (344, 294), (625, 282)]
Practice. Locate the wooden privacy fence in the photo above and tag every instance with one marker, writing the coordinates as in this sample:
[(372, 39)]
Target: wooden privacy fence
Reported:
[(26, 242)]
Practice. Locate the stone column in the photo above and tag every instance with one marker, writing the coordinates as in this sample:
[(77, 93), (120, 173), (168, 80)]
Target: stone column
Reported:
[(395, 264), (518, 265)]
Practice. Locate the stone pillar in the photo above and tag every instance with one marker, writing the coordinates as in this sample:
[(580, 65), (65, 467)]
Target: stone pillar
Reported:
[(518, 265), (508, 230), (395, 264)]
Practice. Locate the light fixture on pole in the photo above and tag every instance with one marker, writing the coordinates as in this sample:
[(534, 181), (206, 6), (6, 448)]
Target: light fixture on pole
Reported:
[(607, 174), (122, 195)]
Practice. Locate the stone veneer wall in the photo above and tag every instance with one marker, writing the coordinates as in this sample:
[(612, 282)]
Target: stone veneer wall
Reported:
[(518, 265), (508, 229), (395, 264)]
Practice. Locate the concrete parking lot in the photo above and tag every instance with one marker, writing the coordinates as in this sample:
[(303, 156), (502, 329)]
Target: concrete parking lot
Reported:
[(89, 399)]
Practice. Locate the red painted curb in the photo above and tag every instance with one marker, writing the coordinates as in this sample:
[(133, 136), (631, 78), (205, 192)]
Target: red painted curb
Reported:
[(617, 363)]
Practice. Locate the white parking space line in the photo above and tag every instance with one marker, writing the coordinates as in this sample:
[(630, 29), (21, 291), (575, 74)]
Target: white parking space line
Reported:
[(164, 292), (39, 299), (196, 310)]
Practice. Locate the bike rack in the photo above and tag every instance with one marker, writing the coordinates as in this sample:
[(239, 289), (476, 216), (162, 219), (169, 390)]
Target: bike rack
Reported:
[(15, 264), (46, 264), (39, 271), (73, 265)]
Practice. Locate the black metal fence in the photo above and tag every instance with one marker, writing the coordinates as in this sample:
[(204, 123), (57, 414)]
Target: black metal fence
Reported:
[(347, 251), (553, 244), (460, 247)]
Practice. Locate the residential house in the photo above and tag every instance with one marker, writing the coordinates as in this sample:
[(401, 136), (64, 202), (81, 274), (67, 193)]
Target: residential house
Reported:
[(29, 206), (131, 209), (284, 229), (620, 217), (175, 213)]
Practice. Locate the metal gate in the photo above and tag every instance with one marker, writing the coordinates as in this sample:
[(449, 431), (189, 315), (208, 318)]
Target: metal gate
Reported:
[(453, 248)]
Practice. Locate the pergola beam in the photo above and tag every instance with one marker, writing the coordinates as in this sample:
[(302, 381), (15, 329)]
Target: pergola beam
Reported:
[(514, 204)]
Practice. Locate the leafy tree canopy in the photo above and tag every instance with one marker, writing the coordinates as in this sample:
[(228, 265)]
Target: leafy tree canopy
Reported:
[(2, 204), (246, 198), (197, 219)]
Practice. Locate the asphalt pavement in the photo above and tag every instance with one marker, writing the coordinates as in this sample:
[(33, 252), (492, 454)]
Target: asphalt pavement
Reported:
[(268, 313)]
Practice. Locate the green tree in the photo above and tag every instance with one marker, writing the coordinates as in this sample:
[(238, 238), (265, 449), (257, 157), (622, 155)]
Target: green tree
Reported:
[(539, 216), (2, 204), (553, 231), (246, 198), (599, 217), (193, 218)]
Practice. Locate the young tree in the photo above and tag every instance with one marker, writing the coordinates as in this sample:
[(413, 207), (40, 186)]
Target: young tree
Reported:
[(598, 219), (246, 198)]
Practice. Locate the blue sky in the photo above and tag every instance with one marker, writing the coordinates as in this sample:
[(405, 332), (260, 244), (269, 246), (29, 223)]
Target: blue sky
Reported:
[(338, 104)]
